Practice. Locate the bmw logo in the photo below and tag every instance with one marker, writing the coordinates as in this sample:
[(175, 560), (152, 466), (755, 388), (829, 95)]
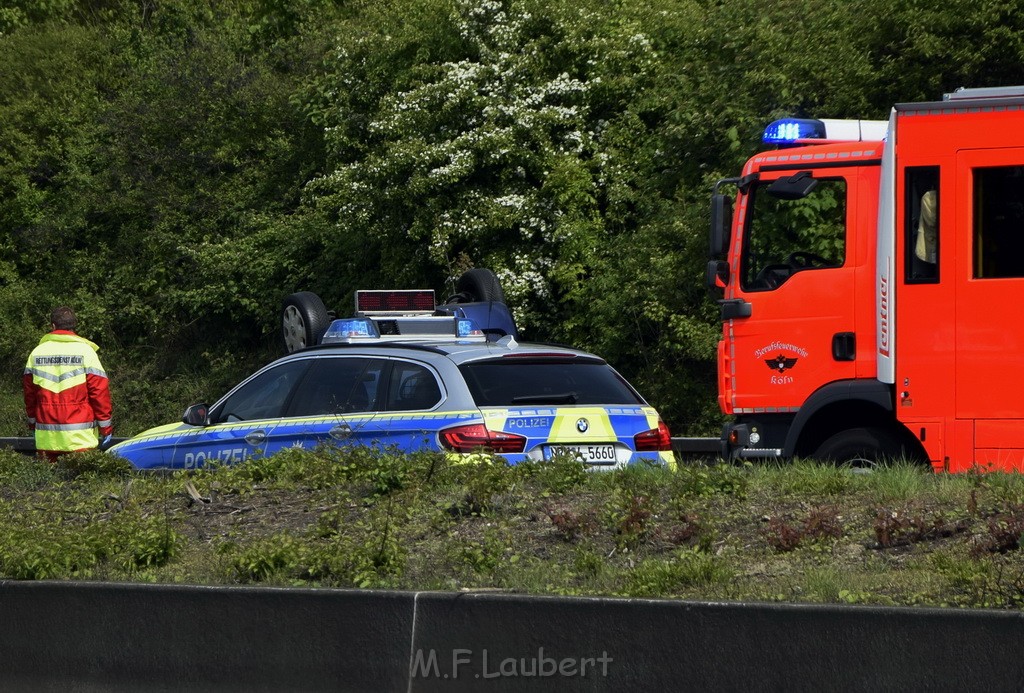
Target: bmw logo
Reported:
[(582, 425)]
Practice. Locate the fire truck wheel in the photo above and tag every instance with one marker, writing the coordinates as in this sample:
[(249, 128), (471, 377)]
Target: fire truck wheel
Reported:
[(478, 284), (861, 447), (304, 319)]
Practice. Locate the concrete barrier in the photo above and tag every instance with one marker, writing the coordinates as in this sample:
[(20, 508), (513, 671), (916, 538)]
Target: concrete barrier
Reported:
[(656, 645), (64, 636), (61, 636)]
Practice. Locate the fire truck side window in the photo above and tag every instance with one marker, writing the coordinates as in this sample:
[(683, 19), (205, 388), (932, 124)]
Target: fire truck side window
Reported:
[(921, 224), (787, 234), (999, 222)]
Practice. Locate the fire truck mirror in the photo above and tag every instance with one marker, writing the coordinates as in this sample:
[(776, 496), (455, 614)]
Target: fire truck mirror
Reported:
[(721, 224), (718, 274), (794, 187)]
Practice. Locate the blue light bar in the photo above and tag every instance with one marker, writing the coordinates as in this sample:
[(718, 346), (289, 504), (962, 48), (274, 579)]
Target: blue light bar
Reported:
[(468, 328), (789, 130), (351, 328)]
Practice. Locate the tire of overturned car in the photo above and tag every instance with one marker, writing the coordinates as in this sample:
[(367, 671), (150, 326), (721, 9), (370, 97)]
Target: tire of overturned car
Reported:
[(304, 319), (478, 284)]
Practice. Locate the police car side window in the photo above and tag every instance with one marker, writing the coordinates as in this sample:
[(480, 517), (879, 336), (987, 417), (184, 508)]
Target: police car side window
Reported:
[(338, 385), (412, 387), (264, 396)]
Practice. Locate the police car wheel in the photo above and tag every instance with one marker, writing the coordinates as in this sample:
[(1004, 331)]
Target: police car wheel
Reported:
[(304, 319), (480, 284)]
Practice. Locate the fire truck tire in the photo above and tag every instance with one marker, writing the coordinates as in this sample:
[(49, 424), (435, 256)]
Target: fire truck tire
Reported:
[(479, 284), (304, 319), (861, 447)]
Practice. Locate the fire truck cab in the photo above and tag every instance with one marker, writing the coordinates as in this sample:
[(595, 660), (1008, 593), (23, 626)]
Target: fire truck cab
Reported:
[(870, 276)]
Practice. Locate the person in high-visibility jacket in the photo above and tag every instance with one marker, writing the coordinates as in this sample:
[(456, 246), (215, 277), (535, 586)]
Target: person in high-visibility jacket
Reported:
[(67, 393)]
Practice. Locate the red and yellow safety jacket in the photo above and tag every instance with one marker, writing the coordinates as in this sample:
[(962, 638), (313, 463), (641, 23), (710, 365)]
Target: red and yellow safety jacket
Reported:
[(67, 395)]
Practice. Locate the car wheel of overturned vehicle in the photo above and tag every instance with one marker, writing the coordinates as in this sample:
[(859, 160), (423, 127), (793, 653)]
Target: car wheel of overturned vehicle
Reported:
[(478, 284), (304, 319)]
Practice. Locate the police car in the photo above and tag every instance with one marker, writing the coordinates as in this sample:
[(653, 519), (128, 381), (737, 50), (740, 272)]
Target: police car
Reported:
[(406, 375)]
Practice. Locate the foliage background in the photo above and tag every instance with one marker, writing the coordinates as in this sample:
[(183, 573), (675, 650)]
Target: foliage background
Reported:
[(174, 168)]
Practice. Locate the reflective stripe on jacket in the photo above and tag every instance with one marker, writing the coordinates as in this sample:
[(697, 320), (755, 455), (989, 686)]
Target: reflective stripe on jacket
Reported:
[(67, 395)]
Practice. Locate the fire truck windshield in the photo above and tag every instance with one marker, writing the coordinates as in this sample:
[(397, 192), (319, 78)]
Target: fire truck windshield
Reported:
[(787, 232)]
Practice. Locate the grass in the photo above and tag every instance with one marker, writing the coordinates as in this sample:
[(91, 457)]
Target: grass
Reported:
[(805, 532)]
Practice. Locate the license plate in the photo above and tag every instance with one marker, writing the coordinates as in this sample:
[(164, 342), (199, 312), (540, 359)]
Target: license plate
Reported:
[(590, 454)]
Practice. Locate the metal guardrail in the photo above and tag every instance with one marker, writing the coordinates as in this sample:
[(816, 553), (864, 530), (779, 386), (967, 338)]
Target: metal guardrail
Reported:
[(27, 444), (697, 447)]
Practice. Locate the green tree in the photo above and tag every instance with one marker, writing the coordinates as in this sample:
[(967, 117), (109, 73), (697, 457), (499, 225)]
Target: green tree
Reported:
[(488, 153)]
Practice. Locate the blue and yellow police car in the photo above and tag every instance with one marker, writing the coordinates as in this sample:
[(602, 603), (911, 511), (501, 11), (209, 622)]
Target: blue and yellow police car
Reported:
[(404, 375)]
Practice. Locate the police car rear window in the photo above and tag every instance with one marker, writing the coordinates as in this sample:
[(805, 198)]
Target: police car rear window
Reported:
[(546, 382)]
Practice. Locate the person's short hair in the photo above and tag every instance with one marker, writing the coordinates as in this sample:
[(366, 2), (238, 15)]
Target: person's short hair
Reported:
[(63, 318)]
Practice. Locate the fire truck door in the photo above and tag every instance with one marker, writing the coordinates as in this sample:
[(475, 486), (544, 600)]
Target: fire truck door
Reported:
[(989, 293), (796, 272)]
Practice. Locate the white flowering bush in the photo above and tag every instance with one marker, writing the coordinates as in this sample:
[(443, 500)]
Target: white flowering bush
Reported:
[(491, 155)]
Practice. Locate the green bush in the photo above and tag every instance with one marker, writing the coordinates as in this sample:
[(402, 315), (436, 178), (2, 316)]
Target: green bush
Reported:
[(562, 473), (19, 472), (281, 554), (686, 568)]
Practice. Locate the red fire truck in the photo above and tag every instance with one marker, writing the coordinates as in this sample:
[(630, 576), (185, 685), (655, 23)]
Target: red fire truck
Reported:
[(871, 275)]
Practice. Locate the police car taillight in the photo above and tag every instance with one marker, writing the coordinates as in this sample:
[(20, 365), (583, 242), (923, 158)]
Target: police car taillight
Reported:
[(474, 437), (351, 330), (398, 302), (656, 439)]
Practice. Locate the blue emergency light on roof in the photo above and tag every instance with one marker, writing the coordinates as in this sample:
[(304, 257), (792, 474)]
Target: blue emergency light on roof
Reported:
[(421, 328), (347, 329), (467, 328), (789, 130)]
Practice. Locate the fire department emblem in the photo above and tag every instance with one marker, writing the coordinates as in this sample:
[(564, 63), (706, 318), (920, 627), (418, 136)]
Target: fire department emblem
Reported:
[(582, 425), (781, 363)]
